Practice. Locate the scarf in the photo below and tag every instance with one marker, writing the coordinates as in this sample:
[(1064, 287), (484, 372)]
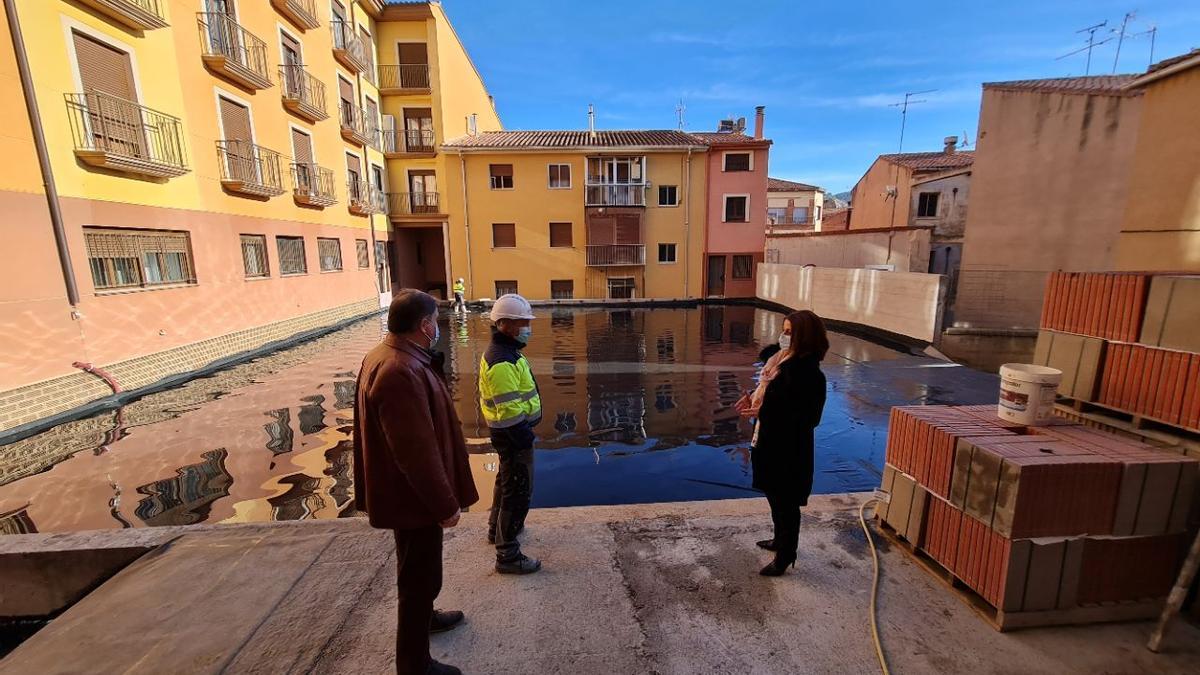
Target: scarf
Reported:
[(769, 372)]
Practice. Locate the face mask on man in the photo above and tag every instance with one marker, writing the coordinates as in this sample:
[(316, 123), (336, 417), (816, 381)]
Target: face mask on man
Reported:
[(437, 333), (785, 342), (523, 334)]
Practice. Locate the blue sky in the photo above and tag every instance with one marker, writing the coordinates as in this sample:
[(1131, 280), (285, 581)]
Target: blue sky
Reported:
[(826, 71)]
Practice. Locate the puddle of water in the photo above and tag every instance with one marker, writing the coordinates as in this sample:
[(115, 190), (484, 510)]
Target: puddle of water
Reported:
[(637, 409)]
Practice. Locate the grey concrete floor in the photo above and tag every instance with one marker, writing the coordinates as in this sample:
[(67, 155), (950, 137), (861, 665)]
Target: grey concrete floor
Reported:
[(662, 588)]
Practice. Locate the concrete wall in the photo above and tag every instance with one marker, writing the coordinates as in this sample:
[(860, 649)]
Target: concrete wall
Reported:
[(907, 303), (1049, 184), (837, 219), (950, 222), (873, 207), (906, 248), (1161, 226)]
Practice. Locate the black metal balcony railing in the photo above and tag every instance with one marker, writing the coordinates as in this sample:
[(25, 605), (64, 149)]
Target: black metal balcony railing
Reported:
[(250, 168), (614, 255), (616, 194), (114, 133), (355, 125), (348, 47), (365, 198), (139, 14), (413, 203), (313, 184), (303, 12), (233, 50), (404, 76), (303, 93), (408, 140)]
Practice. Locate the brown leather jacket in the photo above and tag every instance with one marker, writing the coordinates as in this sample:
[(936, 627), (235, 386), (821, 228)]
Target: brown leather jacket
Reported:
[(410, 459)]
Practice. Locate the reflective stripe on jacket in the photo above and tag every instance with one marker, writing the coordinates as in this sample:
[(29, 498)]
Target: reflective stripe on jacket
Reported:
[(508, 394), (459, 288)]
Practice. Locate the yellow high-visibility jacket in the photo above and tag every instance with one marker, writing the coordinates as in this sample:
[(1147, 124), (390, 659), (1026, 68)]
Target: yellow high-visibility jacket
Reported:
[(459, 287), (508, 394)]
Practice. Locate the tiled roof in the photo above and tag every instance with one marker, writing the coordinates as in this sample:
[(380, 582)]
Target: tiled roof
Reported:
[(781, 185), (718, 138), (1167, 63), (931, 161), (528, 140), (1106, 85)]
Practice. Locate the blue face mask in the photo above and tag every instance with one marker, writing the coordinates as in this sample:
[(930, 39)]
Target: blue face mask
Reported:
[(523, 335)]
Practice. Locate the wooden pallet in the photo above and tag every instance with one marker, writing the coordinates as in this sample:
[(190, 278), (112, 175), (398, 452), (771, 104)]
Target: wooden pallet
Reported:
[(1003, 621), (1131, 426)]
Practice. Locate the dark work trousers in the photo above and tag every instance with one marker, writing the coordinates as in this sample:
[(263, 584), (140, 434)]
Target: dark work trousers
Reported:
[(510, 500), (785, 514), (418, 582)]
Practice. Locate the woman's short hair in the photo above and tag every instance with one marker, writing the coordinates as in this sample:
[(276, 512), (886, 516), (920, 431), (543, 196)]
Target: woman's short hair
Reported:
[(808, 334), (408, 309)]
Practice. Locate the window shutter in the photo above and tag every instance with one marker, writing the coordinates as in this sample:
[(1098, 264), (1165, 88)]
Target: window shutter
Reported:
[(302, 147), (502, 169), (346, 89), (628, 229), (235, 120), (561, 235), (413, 53), (103, 68), (504, 235)]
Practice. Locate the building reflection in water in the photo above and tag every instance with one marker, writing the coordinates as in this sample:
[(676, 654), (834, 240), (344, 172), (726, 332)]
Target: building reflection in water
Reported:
[(279, 431), (186, 498), (302, 500)]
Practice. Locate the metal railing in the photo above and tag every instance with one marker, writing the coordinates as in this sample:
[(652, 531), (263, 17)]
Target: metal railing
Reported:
[(353, 118), (301, 86), (616, 194), (365, 197), (104, 123), (611, 255), (345, 41), (305, 10), (222, 36), (409, 140), (252, 165), (404, 76), (413, 203), (313, 182)]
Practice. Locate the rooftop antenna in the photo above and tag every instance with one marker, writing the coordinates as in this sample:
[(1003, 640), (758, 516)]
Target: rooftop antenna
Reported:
[(591, 121), (679, 110), (1121, 38), (903, 106), (965, 142), (1091, 44), (1152, 31)]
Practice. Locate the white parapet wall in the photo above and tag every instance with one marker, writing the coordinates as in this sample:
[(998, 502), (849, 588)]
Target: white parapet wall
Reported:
[(906, 249), (906, 303)]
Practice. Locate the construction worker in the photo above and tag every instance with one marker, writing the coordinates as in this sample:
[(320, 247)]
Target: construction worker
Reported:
[(460, 290), (509, 398)]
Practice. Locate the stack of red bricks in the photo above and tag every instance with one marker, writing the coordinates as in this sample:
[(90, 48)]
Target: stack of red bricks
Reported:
[(1037, 519), (1126, 341)]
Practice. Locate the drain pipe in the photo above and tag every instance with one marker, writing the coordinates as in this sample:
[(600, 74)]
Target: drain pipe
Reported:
[(687, 220), (100, 373), (39, 143), (462, 163)]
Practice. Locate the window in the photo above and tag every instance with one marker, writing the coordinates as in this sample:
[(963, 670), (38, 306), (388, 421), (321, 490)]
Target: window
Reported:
[(560, 176), (502, 176), (561, 236), (738, 161), (505, 287), (735, 209), (800, 214), (330, 253), (777, 214), (138, 258), (816, 213), (927, 204), (668, 195), (621, 288), (254, 256), (743, 266), (562, 290), (504, 235), (364, 256), (291, 255), (666, 253)]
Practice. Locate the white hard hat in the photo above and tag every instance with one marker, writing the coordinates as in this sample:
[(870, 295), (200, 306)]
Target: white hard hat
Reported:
[(511, 306)]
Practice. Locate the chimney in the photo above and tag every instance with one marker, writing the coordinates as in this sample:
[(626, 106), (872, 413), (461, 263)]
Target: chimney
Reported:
[(591, 122), (758, 120), (951, 143), (472, 124)]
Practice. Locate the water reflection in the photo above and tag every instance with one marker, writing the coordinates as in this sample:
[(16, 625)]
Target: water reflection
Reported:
[(638, 408)]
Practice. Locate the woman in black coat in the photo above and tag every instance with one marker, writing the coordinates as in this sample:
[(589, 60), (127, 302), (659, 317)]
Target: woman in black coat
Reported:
[(788, 404)]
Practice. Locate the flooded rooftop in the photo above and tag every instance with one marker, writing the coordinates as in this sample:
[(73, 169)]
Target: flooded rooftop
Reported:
[(638, 409)]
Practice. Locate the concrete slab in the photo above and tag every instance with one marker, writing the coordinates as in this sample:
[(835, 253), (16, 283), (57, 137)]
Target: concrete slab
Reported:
[(666, 588)]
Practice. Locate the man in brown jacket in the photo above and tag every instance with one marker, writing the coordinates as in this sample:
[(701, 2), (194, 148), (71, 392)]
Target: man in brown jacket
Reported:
[(411, 473)]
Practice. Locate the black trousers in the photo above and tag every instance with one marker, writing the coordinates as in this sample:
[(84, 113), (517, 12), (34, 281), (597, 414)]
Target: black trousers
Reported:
[(785, 514), (510, 499), (418, 582)]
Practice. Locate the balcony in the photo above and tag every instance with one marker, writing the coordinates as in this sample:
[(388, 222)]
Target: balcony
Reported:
[(348, 48), (249, 169), (374, 7), (406, 78), (233, 52), (365, 199), (785, 225), (356, 128), (303, 94), (408, 142), (616, 255), (402, 205), (616, 194), (313, 185), (303, 13), (135, 14), (113, 133)]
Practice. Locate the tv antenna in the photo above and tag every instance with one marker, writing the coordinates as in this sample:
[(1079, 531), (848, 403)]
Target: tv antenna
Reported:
[(1152, 31), (903, 106), (1091, 44), (679, 110), (1121, 38)]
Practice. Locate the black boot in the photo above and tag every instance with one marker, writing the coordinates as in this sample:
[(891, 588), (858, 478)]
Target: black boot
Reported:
[(778, 566), (768, 544), (522, 564), (436, 668), (441, 621)]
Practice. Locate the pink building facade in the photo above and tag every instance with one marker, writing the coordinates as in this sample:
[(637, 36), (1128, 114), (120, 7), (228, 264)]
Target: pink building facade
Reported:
[(736, 213)]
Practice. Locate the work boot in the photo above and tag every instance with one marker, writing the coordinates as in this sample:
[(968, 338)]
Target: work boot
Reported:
[(436, 668), (491, 537), (441, 621), (522, 564)]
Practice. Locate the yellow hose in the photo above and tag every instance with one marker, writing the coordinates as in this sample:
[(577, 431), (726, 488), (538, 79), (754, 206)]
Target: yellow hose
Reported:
[(862, 519)]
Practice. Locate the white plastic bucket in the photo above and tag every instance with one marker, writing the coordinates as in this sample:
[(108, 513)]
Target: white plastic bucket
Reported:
[(1027, 393)]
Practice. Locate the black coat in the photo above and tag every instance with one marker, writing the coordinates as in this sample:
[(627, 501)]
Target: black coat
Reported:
[(782, 458)]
